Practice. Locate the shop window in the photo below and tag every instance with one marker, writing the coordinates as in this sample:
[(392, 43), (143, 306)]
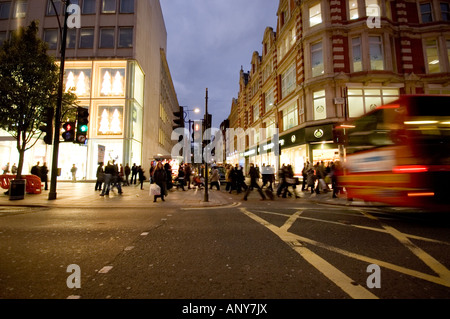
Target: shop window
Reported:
[(108, 6), (51, 38), (315, 15), (361, 101), (432, 55), (317, 59), (112, 82), (125, 37), (353, 9), (376, 53), (426, 12), (78, 81), (110, 120), (5, 9), (320, 105), (107, 38), (20, 9), (87, 38), (88, 7)]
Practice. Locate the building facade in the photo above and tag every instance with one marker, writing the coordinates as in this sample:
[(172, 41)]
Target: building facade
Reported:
[(330, 61), (116, 64)]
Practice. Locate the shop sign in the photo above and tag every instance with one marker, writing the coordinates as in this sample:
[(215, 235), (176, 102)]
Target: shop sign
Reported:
[(250, 152), (319, 133)]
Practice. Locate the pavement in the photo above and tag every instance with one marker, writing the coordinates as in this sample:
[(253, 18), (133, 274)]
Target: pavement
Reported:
[(82, 194)]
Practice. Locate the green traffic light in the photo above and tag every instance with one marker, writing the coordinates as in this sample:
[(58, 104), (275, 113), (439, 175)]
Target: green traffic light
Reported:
[(84, 128)]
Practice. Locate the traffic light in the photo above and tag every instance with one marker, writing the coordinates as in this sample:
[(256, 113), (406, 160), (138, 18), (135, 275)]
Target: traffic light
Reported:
[(196, 130), (69, 132), (47, 125), (207, 119), (179, 119), (82, 125)]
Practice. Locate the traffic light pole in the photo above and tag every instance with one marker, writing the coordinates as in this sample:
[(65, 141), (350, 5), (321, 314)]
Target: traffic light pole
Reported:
[(206, 153), (54, 172)]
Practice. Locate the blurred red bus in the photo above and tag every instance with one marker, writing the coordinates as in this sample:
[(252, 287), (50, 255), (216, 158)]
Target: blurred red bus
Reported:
[(399, 154)]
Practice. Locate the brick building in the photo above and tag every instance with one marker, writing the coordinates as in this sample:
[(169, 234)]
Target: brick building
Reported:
[(333, 60)]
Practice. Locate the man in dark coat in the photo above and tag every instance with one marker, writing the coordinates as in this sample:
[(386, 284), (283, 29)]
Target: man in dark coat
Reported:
[(43, 171), (160, 179), (254, 176)]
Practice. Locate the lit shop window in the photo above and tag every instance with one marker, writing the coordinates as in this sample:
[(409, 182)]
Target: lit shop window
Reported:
[(361, 101), (79, 81), (110, 120), (112, 82)]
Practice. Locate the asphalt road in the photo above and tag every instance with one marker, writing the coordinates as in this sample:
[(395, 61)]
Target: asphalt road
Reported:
[(287, 249)]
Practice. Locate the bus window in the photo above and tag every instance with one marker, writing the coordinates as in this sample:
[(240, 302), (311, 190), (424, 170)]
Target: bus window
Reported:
[(371, 131)]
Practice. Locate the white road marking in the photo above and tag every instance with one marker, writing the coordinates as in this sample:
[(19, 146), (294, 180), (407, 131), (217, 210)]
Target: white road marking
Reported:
[(105, 270), (430, 261), (335, 275)]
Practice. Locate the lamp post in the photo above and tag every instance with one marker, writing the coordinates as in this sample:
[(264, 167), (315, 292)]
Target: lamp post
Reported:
[(206, 199), (54, 173)]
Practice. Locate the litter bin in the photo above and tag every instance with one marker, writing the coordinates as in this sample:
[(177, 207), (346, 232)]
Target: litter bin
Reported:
[(17, 189)]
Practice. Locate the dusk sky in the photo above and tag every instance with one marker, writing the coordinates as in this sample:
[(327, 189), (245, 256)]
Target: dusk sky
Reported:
[(207, 43)]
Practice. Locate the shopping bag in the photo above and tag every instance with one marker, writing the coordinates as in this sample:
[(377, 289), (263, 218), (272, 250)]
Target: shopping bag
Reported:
[(155, 190)]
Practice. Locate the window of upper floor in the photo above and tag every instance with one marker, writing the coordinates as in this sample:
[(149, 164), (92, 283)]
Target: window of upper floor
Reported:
[(432, 55), (426, 12), (109, 6), (288, 81), (353, 9), (126, 6), (89, 7), (20, 9), (315, 14), (445, 11), (373, 8), (5, 10), (317, 65)]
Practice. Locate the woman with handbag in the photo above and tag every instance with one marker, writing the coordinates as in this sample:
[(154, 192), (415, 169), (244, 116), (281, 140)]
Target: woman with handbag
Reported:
[(160, 179)]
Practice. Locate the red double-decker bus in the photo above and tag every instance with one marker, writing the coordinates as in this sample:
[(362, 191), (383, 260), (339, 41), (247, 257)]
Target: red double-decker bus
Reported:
[(399, 154)]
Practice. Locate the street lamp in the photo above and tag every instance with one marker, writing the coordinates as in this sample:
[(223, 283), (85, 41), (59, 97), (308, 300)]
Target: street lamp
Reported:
[(52, 192)]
